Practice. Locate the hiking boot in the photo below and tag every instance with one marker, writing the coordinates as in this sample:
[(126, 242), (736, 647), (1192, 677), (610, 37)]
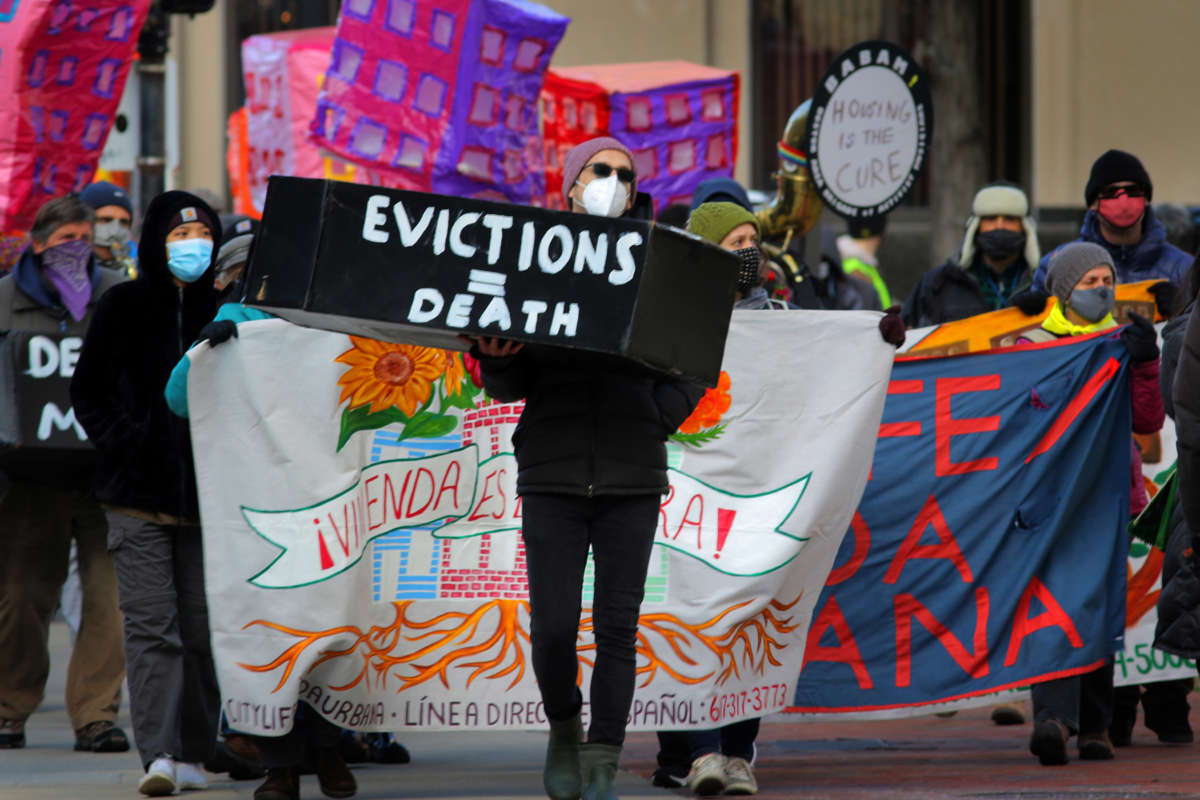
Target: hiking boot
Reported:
[(1049, 742), (1008, 714), (12, 733), (739, 777), (335, 777), (385, 749), (189, 776), (561, 777), (101, 737), (1095, 746), (282, 783), (598, 762), (237, 755), (708, 775), (159, 780)]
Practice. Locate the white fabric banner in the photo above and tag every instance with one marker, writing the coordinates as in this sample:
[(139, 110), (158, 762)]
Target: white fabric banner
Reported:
[(361, 528)]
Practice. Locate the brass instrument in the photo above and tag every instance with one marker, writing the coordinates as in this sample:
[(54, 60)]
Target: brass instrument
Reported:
[(797, 205)]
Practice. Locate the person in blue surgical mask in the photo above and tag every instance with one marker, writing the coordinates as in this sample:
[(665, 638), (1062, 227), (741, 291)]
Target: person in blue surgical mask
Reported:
[(147, 486)]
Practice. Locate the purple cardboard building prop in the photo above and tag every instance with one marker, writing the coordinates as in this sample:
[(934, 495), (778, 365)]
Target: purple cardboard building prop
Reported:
[(440, 95)]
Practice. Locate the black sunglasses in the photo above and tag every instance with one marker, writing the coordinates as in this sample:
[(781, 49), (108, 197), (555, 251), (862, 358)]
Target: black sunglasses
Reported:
[(602, 170), (1111, 192)]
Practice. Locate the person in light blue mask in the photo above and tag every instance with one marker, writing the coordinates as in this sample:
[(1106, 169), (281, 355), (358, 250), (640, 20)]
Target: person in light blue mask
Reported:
[(147, 485)]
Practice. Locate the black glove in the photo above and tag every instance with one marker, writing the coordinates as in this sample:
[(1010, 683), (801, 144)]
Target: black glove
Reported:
[(891, 327), (1165, 295), (218, 331), (1031, 301), (1140, 339)]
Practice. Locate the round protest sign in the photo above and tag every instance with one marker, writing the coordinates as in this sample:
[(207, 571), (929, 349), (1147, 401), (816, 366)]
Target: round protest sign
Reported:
[(869, 129)]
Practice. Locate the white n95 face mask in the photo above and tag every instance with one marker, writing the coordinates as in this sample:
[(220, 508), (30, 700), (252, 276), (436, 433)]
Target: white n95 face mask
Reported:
[(605, 197)]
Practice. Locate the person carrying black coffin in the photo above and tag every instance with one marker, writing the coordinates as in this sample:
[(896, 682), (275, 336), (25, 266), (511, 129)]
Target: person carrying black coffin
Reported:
[(591, 467)]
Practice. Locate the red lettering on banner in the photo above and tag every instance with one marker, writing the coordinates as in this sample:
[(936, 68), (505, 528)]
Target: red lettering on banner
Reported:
[(421, 472), (973, 663), (831, 617), (326, 559), (371, 501), (889, 430), (1074, 408), (477, 513), (662, 509), (862, 546), (697, 523), (447, 486), (947, 548), (1053, 616), (947, 427), (397, 502)]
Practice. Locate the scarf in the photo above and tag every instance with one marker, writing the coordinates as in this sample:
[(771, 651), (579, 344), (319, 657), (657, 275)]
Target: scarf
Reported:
[(1058, 324)]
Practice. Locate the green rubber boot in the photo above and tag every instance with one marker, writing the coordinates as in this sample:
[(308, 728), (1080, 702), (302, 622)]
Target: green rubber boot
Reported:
[(599, 763), (561, 777)]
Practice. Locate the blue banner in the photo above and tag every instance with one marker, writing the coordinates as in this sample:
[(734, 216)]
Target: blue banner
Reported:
[(989, 550)]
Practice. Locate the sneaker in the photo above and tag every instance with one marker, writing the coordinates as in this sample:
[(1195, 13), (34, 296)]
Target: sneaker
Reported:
[(739, 777), (12, 733), (101, 737), (707, 776), (1008, 714), (189, 776), (159, 780), (668, 778), (1049, 742), (1095, 746)]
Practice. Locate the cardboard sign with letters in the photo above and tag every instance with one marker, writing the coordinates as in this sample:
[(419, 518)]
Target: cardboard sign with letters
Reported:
[(424, 268)]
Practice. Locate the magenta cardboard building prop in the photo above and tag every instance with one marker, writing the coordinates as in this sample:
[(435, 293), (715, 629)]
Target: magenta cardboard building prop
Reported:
[(679, 120), (440, 95), (62, 70)]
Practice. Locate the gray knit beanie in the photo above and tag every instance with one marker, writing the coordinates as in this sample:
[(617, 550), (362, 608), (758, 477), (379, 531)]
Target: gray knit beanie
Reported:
[(579, 155), (1071, 263)]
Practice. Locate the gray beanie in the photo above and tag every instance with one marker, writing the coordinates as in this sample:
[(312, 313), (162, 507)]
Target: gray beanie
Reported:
[(1071, 263)]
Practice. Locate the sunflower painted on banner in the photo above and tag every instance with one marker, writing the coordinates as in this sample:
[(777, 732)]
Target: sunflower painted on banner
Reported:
[(704, 424), (390, 383)]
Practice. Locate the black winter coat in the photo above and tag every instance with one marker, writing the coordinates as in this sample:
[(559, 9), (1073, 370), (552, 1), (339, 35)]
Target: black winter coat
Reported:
[(946, 294), (139, 331), (1178, 628), (593, 424)]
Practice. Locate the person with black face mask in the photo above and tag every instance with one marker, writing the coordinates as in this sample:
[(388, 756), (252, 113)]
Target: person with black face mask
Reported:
[(998, 253)]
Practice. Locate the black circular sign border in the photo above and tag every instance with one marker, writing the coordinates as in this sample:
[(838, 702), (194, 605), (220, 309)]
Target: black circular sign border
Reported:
[(918, 90)]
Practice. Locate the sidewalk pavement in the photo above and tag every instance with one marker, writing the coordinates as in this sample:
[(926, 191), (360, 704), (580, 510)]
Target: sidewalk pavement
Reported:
[(920, 758)]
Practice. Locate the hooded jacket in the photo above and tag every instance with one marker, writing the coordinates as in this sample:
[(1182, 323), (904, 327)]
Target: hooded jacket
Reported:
[(952, 292), (29, 303), (1152, 257), (139, 331)]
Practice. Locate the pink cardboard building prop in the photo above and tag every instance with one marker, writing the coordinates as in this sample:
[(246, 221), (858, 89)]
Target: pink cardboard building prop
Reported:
[(62, 70), (678, 118), (440, 95)]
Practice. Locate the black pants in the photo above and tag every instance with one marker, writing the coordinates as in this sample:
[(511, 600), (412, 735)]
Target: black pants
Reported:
[(558, 530), (310, 732), (1084, 703)]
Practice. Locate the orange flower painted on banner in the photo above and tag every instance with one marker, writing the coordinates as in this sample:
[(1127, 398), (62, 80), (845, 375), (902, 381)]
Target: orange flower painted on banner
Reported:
[(711, 408), (453, 371), (384, 374)]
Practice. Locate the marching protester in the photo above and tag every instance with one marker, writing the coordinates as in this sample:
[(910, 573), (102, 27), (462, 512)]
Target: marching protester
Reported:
[(1121, 220), (998, 252), (147, 483), (592, 464), (112, 232), (53, 290), (1081, 276), (1178, 629), (230, 270), (859, 251)]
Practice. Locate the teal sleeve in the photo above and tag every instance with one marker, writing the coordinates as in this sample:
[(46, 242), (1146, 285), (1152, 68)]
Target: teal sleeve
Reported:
[(176, 391)]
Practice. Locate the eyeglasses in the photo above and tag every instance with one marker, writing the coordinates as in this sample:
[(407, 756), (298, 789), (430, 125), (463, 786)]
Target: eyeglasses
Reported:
[(1111, 192), (602, 170)]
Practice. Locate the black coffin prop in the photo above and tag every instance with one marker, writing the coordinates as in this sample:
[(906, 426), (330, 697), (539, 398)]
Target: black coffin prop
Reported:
[(423, 268)]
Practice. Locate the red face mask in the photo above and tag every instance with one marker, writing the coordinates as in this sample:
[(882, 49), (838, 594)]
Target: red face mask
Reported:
[(1122, 211)]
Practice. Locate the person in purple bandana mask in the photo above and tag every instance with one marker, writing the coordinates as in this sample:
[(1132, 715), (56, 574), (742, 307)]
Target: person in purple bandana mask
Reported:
[(51, 292)]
